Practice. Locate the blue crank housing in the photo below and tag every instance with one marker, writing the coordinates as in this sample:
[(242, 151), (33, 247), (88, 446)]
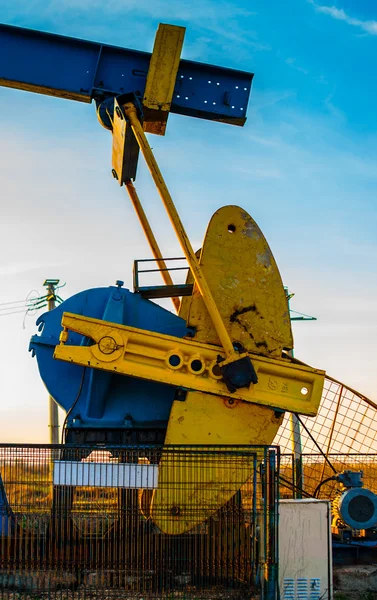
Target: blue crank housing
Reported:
[(102, 407)]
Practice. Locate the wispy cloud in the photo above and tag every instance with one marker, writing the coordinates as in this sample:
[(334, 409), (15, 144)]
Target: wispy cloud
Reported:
[(368, 26), (334, 110), (304, 146), (322, 79), (291, 62), (260, 172), (90, 18)]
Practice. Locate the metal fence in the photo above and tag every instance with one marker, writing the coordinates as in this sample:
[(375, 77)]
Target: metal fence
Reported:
[(345, 422), (318, 467), (150, 522)]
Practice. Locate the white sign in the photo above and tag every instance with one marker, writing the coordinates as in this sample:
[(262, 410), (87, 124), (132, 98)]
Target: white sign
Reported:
[(95, 474)]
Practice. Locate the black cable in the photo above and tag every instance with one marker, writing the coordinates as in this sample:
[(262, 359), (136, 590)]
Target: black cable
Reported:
[(316, 443), (321, 483), (74, 404), (293, 486)]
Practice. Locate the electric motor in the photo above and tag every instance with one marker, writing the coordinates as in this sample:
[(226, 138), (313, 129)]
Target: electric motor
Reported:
[(356, 508)]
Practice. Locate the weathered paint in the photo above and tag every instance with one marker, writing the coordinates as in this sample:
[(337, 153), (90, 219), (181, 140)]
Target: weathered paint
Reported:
[(241, 273), (205, 419), (305, 556), (246, 285), (162, 74)]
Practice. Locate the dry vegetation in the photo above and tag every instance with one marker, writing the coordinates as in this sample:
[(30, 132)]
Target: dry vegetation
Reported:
[(29, 487)]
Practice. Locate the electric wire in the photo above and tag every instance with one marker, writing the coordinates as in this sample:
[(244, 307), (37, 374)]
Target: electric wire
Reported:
[(29, 306), (74, 404), (291, 485), (28, 309), (26, 306), (14, 302), (316, 443), (321, 483), (29, 298), (296, 312)]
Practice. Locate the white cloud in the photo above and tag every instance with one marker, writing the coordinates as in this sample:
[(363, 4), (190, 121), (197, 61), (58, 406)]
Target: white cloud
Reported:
[(291, 62), (339, 14), (260, 172), (219, 19)]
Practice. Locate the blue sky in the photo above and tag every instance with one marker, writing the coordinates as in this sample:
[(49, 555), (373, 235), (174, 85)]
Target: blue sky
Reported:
[(304, 166)]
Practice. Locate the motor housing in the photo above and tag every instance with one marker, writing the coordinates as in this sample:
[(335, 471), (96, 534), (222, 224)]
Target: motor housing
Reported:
[(355, 506)]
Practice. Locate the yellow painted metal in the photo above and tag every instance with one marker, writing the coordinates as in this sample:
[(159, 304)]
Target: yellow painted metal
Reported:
[(207, 420), (246, 285), (189, 253), (151, 238), (187, 364), (161, 78), (241, 273), (124, 148), (203, 482)]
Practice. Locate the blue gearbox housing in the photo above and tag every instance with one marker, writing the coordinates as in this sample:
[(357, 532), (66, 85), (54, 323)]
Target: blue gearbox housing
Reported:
[(103, 407)]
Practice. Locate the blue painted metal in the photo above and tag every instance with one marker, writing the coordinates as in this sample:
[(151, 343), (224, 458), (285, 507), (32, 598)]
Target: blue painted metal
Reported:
[(351, 479), (105, 401), (366, 511), (6, 514), (81, 70)]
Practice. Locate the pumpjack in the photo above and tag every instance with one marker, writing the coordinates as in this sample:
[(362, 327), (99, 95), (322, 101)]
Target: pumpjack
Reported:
[(128, 372)]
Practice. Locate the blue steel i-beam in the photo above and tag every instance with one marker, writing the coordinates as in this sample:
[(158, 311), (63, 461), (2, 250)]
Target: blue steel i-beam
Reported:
[(81, 70)]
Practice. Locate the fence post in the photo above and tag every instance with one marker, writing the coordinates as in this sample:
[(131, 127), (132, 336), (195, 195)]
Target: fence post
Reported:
[(271, 516)]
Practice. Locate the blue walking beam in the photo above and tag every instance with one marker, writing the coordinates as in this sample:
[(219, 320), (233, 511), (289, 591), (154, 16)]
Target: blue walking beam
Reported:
[(80, 70), (157, 83)]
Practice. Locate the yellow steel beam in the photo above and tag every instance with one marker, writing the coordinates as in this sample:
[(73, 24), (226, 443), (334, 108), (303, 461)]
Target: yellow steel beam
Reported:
[(151, 238), (187, 364), (162, 74), (189, 253)]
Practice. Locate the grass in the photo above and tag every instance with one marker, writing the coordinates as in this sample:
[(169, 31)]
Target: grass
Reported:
[(29, 487)]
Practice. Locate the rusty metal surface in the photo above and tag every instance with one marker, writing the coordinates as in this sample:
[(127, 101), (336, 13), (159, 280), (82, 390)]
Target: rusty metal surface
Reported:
[(161, 78), (246, 285)]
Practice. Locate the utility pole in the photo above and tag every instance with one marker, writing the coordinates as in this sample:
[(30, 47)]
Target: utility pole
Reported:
[(298, 470), (53, 415)]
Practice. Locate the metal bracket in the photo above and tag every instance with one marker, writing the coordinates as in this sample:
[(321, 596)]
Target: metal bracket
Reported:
[(162, 75), (125, 151)]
